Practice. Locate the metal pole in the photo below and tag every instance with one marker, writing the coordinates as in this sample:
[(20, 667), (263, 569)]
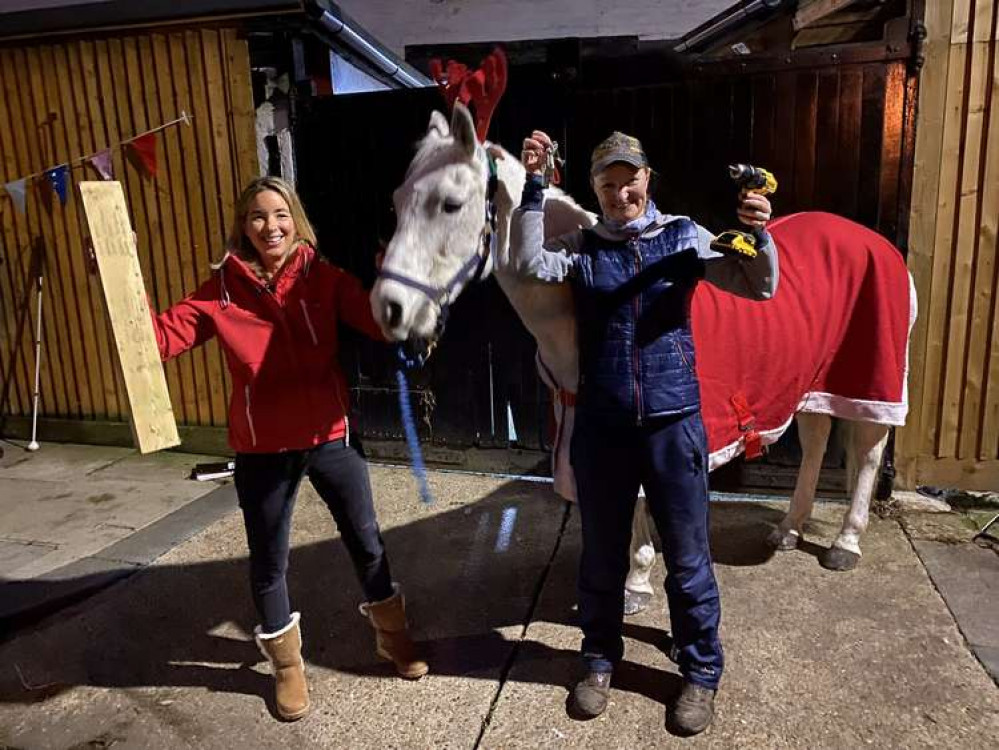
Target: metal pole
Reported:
[(33, 445), (492, 399)]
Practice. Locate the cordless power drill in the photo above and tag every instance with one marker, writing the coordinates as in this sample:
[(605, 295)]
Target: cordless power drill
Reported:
[(745, 244)]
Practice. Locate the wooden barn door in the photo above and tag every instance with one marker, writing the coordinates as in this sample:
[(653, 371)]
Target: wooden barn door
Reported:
[(837, 135)]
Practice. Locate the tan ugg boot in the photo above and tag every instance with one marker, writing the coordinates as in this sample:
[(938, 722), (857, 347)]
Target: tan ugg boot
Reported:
[(392, 634), (283, 650)]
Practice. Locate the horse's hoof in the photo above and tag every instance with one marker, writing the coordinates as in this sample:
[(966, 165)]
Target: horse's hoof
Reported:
[(635, 602), (783, 541), (837, 558)]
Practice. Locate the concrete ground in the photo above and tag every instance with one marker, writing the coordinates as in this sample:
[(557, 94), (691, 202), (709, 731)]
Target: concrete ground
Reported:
[(74, 518), (815, 659), (66, 502)]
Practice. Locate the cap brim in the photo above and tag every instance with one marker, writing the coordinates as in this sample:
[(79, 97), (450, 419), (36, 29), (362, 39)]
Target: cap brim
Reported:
[(633, 160)]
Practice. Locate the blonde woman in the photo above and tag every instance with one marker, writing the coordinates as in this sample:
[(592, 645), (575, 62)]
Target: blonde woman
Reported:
[(274, 305)]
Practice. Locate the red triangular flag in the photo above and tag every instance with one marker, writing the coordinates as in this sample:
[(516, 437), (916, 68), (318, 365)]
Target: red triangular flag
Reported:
[(144, 149)]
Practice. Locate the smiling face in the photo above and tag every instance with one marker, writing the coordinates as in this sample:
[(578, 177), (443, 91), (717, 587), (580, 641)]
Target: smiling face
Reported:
[(622, 191), (270, 228)]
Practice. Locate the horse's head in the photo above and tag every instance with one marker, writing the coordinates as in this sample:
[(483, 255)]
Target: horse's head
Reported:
[(439, 242)]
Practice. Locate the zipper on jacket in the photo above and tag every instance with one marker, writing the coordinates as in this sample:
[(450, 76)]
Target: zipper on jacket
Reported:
[(343, 408), (308, 322), (637, 306), (249, 417)]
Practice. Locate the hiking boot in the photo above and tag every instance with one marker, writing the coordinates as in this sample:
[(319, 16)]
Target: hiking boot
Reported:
[(591, 694), (694, 710)]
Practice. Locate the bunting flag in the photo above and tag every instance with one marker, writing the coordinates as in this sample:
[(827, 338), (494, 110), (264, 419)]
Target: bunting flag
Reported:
[(16, 191), (44, 191), (144, 149), (57, 178), (101, 161)]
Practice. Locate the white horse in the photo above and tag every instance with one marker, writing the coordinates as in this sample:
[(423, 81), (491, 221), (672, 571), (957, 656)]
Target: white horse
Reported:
[(443, 239)]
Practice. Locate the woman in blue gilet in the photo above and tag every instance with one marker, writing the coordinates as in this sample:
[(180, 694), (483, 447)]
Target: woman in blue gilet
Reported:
[(638, 419)]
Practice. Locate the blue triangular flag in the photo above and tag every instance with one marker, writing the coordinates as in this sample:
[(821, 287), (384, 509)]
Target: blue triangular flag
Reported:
[(57, 177)]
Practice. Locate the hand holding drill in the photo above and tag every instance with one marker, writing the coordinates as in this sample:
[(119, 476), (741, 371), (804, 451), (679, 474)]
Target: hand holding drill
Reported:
[(755, 185)]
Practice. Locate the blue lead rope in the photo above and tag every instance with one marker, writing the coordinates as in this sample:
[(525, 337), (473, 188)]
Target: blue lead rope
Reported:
[(409, 425)]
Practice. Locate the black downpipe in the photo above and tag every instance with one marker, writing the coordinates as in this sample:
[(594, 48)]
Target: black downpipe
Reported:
[(339, 30), (718, 26)]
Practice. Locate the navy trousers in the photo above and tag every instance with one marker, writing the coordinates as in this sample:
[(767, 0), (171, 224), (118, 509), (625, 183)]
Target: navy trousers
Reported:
[(668, 457), (267, 484)]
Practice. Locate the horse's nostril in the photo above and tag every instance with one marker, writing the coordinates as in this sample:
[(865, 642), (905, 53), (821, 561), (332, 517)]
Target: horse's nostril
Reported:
[(393, 314)]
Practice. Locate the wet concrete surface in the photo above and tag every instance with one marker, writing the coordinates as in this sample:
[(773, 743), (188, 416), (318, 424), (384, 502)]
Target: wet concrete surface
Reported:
[(814, 658), (167, 657)]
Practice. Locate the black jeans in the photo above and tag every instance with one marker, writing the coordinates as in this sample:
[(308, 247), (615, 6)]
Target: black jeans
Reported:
[(267, 484), (669, 458)]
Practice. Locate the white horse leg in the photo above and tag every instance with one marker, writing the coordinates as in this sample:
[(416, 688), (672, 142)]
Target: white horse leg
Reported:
[(638, 590), (867, 444), (813, 434)]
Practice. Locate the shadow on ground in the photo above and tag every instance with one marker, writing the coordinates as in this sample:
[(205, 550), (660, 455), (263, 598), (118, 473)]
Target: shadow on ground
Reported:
[(473, 575)]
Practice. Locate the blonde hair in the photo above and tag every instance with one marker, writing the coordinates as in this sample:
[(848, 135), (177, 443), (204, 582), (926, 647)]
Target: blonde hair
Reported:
[(239, 244)]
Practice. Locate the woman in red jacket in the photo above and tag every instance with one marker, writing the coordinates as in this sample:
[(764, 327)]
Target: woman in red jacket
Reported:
[(274, 305)]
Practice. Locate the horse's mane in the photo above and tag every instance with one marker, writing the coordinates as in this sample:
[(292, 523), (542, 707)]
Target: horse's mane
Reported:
[(432, 151), (426, 149), (562, 213)]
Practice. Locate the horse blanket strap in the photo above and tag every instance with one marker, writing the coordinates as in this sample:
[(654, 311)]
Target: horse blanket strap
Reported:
[(752, 441), (564, 397)]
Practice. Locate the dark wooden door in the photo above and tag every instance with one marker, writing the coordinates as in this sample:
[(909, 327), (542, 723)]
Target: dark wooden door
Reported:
[(352, 153), (838, 136)]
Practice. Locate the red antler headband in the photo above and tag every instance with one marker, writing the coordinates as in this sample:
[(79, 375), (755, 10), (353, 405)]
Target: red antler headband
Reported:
[(479, 91)]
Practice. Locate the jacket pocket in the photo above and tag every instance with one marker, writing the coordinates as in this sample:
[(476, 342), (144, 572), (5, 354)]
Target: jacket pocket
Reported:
[(697, 442)]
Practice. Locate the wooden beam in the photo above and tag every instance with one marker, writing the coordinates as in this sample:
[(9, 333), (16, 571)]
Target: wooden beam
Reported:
[(152, 419), (809, 13), (975, 476), (917, 438)]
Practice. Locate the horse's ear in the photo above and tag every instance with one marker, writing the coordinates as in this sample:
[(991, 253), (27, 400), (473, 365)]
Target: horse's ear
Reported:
[(438, 123), (463, 129)]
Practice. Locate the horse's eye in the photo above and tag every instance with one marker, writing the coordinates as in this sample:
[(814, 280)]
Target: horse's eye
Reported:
[(451, 207)]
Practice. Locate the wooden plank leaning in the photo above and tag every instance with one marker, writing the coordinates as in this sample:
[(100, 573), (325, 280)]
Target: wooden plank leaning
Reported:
[(153, 425)]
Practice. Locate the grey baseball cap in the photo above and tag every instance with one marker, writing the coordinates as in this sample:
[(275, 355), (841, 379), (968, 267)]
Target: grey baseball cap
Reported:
[(617, 147)]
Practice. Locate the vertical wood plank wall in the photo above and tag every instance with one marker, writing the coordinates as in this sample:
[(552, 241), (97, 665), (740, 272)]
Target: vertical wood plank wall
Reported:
[(833, 136), (952, 437), (63, 100)]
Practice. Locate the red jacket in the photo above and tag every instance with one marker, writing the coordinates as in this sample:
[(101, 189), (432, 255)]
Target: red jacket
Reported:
[(280, 343)]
